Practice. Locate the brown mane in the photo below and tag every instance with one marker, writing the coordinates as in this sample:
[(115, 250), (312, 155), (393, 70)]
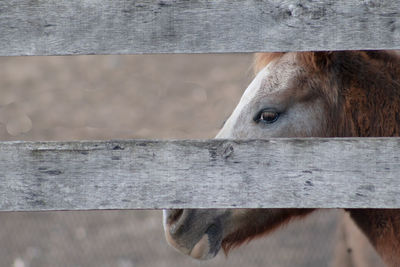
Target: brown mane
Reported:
[(362, 91)]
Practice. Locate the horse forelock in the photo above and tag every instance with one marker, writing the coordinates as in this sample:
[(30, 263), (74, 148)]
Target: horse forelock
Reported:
[(263, 59), (310, 60)]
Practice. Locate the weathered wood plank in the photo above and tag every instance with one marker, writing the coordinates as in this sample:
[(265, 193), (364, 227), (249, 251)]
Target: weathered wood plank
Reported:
[(71, 27), (325, 173)]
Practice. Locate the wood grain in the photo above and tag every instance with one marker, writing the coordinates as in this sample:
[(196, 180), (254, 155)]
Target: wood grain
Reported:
[(73, 27), (138, 174)]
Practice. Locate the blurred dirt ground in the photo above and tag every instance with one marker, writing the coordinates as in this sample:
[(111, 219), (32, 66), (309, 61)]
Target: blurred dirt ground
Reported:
[(120, 97)]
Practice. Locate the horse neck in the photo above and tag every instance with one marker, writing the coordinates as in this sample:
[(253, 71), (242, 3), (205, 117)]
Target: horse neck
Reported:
[(370, 96), (382, 227), (370, 99)]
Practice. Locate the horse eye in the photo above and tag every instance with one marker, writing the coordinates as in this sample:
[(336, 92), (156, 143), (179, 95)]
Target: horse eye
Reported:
[(266, 116)]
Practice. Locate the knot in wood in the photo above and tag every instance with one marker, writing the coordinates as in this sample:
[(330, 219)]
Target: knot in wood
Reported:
[(313, 12), (227, 151), (372, 3)]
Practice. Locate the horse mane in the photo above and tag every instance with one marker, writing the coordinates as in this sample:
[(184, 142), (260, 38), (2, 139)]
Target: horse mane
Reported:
[(362, 92)]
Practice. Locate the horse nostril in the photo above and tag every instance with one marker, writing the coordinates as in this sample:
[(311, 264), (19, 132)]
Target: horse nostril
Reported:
[(174, 215)]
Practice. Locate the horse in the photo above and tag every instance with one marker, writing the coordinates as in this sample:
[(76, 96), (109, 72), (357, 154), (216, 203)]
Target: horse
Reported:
[(302, 94)]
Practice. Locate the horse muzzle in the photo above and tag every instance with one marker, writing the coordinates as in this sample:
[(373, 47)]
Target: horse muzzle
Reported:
[(197, 233)]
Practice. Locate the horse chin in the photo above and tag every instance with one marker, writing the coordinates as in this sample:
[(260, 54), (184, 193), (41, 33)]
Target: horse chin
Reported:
[(206, 248), (209, 245)]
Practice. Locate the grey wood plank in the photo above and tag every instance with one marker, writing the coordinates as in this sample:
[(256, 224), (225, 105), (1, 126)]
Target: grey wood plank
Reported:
[(137, 174), (72, 27)]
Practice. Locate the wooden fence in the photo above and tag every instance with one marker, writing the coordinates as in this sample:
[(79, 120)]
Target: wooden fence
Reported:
[(308, 173), (71, 27)]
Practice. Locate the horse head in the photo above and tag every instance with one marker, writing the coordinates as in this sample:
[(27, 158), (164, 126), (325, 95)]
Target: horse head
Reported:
[(309, 94)]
